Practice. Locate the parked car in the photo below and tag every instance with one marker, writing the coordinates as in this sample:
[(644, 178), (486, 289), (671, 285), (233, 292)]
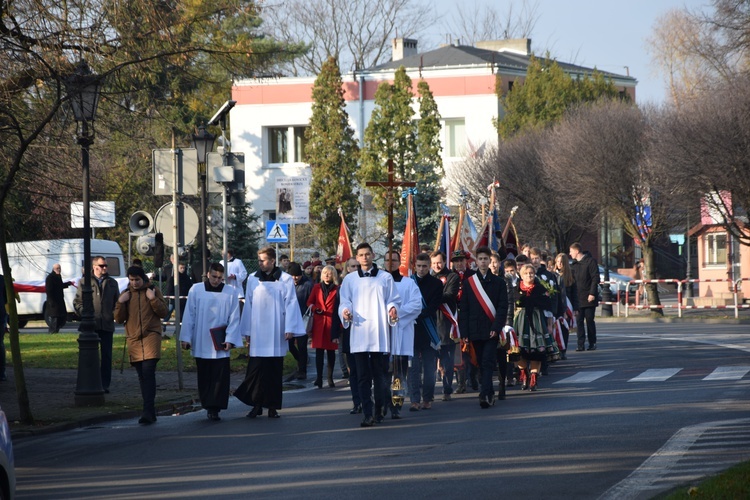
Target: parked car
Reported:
[(623, 284), (7, 463)]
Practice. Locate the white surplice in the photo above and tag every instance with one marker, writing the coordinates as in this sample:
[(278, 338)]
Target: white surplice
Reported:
[(271, 310), (369, 299), (411, 307), (205, 310), (236, 267)]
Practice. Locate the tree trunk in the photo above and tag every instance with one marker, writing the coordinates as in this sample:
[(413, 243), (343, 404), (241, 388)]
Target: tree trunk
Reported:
[(24, 405), (648, 274)]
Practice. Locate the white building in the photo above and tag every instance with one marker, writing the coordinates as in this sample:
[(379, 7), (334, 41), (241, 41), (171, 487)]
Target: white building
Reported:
[(269, 119)]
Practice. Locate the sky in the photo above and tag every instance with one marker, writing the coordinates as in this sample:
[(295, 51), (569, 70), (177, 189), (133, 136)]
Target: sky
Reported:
[(610, 35)]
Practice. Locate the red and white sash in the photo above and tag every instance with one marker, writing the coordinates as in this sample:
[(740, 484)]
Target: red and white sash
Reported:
[(482, 297), (453, 319)]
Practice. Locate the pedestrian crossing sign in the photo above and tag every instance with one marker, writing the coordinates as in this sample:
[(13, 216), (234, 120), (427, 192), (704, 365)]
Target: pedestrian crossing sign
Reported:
[(277, 233)]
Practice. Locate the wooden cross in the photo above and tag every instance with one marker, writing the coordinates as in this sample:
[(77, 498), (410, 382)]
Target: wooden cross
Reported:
[(390, 185)]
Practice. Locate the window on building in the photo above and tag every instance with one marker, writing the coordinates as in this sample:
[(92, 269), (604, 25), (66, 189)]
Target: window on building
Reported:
[(455, 137), (300, 143), (715, 253), (277, 142)]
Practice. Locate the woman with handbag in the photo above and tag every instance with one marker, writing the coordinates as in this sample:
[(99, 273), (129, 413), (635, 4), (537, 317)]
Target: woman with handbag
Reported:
[(322, 300)]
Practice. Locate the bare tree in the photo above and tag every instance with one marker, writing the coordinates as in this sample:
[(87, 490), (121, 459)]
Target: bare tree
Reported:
[(705, 146), (357, 33), (475, 23), (695, 49), (517, 164), (603, 149)]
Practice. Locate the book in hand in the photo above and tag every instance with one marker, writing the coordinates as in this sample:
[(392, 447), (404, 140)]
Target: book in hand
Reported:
[(219, 337)]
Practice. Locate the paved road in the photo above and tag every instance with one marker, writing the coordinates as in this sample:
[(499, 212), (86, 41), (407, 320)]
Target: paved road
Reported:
[(653, 407)]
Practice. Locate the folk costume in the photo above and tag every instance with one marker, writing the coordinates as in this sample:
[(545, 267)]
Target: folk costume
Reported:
[(530, 324), (271, 310), (369, 295), (209, 308), (484, 305)]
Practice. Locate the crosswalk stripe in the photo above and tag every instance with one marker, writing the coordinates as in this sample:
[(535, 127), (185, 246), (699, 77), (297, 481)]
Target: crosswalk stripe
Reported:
[(656, 375), (728, 373), (584, 377)]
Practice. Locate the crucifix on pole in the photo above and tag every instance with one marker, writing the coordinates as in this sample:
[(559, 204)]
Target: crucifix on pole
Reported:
[(389, 186)]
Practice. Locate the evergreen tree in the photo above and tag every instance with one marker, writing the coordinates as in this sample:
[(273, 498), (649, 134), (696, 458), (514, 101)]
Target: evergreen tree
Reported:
[(245, 232), (414, 147), (545, 95), (429, 166), (332, 153)]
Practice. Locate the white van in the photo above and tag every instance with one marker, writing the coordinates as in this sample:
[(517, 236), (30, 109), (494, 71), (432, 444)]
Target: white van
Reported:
[(31, 262)]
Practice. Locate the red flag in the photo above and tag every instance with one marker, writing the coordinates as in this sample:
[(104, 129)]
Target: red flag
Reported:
[(344, 247), (410, 248)]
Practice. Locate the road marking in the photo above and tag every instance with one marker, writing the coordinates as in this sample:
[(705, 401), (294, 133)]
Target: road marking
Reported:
[(728, 373), (656, 375), (584, 377)]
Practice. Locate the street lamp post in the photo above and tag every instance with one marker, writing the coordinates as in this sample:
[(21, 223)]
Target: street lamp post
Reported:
[(83, 93), (203, 142), (606, 290)]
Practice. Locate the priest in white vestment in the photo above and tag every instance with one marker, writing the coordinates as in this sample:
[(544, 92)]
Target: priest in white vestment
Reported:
[(270, 318), (369, 305), (212, 305)]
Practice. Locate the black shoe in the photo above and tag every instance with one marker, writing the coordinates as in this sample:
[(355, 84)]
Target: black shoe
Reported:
[(331, 384), (580, 348), (318, 383), (301, 375), (146, 420), (484, 402), (272, 413), (379, 418), (255, 412), (592, 347), (367, 422), (213, 415), (106, 391), (355, 410)]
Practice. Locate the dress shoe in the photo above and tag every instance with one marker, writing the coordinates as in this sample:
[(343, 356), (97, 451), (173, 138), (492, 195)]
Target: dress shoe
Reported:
[(256, 411), (592, 347), (427, 405), (367, 422), (414, 407), (318, 383), (484, 402), (213, 415), (272, 413), (580, 348), (355, 410), (146, 420)]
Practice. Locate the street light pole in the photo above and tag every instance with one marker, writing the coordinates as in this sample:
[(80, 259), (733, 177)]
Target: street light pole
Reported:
[(606, 290), (203, 142), (83, 91)]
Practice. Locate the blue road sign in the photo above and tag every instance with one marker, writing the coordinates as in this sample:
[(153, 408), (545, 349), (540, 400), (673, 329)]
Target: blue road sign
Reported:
[(277, 233)]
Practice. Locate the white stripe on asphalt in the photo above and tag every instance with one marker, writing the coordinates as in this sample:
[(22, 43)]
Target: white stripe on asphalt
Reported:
[(656, 375), (584, 377), (728, 373)]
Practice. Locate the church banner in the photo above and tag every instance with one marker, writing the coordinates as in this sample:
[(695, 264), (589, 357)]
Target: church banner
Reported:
[(293, 200)]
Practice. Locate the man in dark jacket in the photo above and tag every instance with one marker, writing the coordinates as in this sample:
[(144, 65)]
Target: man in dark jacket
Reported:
[(483, 310), (421, 376), (56, 313), (105, 292), (445, 323), (298, 345), (586, 275)]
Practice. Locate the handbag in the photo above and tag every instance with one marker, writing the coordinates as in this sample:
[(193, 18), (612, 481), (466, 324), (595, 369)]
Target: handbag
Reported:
[(307, 319)]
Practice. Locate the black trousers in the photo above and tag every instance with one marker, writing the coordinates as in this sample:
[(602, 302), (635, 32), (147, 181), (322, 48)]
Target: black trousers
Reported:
[(298, 348), (371, 370), (147, 378), (586, 315), (486, 351), (213, 383)]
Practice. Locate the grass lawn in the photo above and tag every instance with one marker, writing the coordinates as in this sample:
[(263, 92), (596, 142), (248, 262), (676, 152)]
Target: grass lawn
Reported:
[(60, 351), (734, 483)]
